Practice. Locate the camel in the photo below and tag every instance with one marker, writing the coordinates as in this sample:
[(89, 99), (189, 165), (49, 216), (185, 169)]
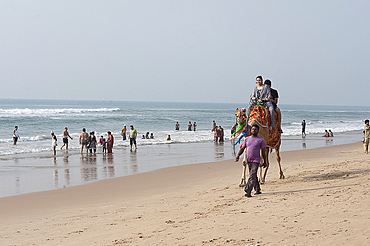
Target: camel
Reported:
[(259, 115)]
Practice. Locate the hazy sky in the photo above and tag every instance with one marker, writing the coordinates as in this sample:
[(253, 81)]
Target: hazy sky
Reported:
[(314, 52)]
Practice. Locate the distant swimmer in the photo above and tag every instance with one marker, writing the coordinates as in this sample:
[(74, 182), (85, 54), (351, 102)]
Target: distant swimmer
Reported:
[(83, 140), (194, 126), (331, 133), (326, 133), (169, 137), (15, 135), (151, 136), (65, 138), (177, 126), (189, 126)]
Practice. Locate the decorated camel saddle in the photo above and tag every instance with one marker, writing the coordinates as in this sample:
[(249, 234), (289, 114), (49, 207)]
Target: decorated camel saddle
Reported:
[(259, 115)]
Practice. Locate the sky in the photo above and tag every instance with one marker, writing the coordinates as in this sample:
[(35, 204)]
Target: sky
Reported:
[(314, 52)]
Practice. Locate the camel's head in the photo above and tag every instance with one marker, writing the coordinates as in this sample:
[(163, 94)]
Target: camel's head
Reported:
[(240, 115)]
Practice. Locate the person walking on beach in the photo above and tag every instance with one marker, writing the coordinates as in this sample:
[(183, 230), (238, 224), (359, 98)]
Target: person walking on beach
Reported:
[(303, 128), (54, 142), (110, 141), (133, 135), (367, 134), (15, 135), (65, 138), (253, 144), (194, 126), (83, 140), (189, 126), (177, 126), (124, 129)]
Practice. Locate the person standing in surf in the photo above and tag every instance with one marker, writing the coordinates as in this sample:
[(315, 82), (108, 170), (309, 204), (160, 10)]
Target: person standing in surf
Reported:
[(15, 135), (65, 138), (124, 129), (84, 140), (54, 142)]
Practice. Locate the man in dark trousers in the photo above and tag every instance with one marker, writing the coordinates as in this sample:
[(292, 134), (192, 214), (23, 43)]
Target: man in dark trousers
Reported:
[(254, 144)]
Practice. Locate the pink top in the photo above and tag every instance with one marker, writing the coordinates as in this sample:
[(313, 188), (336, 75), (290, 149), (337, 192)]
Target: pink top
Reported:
[(254, 145)]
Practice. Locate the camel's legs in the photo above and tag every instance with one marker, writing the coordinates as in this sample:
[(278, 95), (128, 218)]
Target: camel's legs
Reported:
[(277, 150), (264, 163)]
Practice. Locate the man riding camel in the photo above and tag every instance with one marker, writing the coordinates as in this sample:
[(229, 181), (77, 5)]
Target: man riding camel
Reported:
[(274, 100)]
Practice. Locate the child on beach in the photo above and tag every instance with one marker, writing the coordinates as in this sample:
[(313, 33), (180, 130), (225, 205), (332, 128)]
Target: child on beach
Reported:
[(103, 144), (54, 142)]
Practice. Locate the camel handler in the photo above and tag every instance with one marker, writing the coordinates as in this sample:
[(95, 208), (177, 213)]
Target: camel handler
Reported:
[(274, 100), (254, 144)]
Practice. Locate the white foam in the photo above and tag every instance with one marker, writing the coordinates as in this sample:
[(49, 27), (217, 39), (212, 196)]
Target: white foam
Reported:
[(52, 112)]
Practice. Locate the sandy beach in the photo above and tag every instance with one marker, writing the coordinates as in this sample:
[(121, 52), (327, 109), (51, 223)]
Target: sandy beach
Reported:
[(323, 200)]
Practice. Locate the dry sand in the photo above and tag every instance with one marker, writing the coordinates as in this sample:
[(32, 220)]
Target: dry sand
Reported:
[(324, 200)]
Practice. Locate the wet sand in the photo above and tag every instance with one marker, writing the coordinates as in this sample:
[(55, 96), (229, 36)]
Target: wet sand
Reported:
[(323, 200), (33, 172)]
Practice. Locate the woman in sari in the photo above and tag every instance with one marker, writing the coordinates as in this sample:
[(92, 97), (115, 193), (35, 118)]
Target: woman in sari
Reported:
[(110, 141)]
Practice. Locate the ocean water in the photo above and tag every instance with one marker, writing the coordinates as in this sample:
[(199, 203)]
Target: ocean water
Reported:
[(36, 118), (30, 166)]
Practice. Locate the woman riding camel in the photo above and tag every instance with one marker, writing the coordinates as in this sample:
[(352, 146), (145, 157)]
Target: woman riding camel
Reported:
[(262, 92)]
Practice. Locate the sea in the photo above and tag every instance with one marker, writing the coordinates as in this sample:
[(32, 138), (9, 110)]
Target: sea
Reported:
[(30, 165)]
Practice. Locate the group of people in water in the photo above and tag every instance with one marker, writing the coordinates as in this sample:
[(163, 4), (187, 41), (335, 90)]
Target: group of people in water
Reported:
[(218, 133), (87, 141), (328, 133), (191, 126)]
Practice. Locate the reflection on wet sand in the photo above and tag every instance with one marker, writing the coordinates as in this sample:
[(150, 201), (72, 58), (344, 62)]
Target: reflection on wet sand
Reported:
[(88, 167), (133, 162), (67, 177), (219, 151), (329, 141), (55, 173), (108, 169), (304, 146)]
